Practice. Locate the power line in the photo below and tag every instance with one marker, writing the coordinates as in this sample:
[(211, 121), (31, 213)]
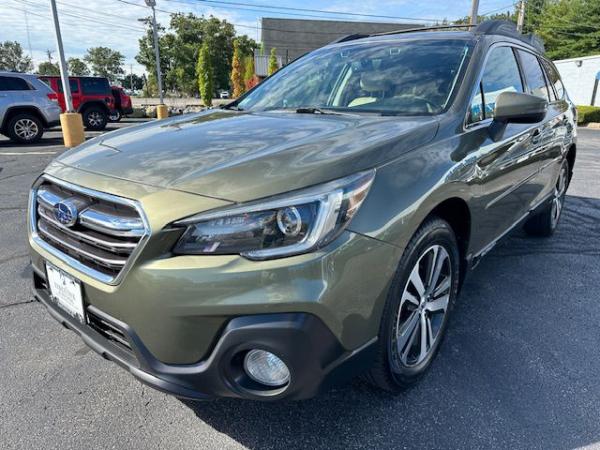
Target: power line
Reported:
[(320, 11)]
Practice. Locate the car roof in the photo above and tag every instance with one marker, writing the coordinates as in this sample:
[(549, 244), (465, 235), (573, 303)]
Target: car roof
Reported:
[(17, 74), (493, 29)]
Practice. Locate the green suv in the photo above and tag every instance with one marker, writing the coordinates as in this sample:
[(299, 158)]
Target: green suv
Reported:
[(318, 227)]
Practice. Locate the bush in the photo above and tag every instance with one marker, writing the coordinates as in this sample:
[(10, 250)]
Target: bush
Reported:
[(587, 114)]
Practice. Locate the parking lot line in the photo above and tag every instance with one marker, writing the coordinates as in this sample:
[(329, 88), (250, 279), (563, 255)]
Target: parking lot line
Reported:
[(26, 153)]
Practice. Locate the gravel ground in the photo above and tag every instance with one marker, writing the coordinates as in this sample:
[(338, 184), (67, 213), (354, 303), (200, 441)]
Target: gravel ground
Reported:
[(518, 369)]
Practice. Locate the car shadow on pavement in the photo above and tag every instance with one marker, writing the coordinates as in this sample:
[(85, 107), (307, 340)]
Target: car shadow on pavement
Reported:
[(516, 369)]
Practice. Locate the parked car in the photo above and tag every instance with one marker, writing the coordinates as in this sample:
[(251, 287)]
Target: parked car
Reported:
[(27, 107), (123, 105), (224, 94), (92, 97), (318, 227)]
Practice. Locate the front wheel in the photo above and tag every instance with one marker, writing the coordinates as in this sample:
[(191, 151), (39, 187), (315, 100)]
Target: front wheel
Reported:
[(417, 309), (95, 118), (545, 222)]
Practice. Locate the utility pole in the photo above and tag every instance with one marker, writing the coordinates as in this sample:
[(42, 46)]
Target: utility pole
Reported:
[(521, 19), (131, 77), (71, 123), (474, 12), (161, 110), (28, 36), (49, 54)]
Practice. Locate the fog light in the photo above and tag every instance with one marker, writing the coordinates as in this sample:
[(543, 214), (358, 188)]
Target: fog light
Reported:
[(266, 368)]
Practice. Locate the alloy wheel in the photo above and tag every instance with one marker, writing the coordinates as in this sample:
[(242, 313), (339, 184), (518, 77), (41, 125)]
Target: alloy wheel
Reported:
[(559, 195), (26, 129), (423, 307), (95, 119)]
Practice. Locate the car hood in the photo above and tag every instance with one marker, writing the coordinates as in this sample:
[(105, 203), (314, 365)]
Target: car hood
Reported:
[(243, 156)]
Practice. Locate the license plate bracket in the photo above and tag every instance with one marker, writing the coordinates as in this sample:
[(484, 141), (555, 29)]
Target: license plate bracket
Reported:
[(66, 292)]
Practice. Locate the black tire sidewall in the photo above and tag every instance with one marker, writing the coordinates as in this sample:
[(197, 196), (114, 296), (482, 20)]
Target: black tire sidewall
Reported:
[(435, 232), (15, 138), (86, 114)]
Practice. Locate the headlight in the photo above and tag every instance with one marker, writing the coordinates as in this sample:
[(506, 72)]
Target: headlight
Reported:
[(281, 226)]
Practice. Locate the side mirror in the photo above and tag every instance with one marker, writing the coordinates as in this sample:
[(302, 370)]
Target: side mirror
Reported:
[(516, 107), (520, 108)]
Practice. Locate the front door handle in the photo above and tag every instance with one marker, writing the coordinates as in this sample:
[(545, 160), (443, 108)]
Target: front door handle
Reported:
[(536, 137)]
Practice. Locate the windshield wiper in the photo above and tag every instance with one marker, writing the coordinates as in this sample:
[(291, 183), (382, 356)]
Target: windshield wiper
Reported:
[(314, 110), (232, 107)]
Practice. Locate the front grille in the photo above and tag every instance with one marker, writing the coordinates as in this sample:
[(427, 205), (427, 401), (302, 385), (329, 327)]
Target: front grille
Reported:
[(104, 233), (108, 330)]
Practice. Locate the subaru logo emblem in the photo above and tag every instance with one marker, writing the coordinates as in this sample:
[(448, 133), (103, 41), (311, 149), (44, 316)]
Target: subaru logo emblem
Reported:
[(66, 212)]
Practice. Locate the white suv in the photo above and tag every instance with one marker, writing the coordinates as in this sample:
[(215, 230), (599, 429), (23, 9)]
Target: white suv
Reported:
[(27, 107)]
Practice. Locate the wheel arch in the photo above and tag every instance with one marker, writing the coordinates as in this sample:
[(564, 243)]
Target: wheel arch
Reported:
[(571, 156), (456, 212), (91, 103), (14, 110)]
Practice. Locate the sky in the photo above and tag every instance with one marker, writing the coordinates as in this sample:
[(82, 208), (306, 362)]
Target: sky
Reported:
[(113, 23)]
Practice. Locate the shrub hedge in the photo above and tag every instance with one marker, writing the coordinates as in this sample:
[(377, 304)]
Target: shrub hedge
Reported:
[(587, 114)]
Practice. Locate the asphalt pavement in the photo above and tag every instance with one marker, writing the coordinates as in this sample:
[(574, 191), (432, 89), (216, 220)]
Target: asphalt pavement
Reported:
[(519, 368)]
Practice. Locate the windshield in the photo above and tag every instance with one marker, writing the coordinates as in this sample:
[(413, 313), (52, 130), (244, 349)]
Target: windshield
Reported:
[(407, 78)]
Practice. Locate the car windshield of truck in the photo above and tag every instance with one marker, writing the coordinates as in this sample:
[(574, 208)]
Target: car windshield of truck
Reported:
[(402, 77)]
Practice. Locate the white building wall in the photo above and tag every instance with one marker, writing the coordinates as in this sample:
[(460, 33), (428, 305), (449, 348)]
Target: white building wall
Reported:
[(579, 75)]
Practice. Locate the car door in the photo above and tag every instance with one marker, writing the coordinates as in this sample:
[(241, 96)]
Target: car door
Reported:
[(560, 129), (4, 99), (75, 93), (505, 170)]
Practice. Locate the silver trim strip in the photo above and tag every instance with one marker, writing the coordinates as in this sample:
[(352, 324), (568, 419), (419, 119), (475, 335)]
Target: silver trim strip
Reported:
[(117, 246), (99, 221), (70, 261)]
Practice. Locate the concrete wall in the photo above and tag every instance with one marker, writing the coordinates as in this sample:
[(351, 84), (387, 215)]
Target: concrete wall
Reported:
[(579, 75), (294, 37)]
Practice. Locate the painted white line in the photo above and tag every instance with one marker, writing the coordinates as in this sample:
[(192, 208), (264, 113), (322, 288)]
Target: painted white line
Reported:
[(26, 153)]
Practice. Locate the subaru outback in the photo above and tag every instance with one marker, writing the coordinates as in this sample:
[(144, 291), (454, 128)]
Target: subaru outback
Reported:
[(317, 228)]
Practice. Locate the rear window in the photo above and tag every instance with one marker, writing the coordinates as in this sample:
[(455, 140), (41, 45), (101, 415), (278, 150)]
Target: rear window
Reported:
[(73, 85), (536, 82), (554, 79), (95, 86), (14, 84)]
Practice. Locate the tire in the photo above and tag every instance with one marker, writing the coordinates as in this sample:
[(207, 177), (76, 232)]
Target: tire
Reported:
[(25, 129), (400, 363), (95, 118), (544, 223), (116, 116)]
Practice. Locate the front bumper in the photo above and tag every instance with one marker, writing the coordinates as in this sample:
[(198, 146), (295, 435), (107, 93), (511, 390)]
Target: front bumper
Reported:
[(314, 356)]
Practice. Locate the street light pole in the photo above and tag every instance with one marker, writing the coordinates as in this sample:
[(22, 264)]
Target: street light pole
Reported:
[(521, 19), (152, 4), (71, 122), (64, 75), (474, 12)]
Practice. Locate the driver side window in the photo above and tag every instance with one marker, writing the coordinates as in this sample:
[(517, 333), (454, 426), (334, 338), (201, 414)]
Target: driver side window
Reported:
[(501, 74)]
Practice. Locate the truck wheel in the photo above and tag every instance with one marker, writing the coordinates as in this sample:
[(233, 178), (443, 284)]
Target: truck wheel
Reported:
[(415, 316), (545, 222), (95, 118), (115, 116), (25, 129)]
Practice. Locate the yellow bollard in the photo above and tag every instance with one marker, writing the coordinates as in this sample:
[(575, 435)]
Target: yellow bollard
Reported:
[(72, 129), (162, 112)]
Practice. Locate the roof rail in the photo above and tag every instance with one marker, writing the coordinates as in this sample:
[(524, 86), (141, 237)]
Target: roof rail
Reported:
[(508, 28), (431, 28), (349, 37)]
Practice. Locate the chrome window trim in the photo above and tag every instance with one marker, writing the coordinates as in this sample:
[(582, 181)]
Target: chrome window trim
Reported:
[(70, 261)]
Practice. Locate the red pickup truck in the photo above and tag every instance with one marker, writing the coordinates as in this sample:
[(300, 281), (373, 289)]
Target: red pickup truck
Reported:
[(92, 97)]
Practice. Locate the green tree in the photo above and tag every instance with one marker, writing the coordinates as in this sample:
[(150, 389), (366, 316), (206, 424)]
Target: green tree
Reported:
[(77, 67), (237, 74), (273, 65), (105, 62), (205, 73), (571, 28), (48, 68), (248, 69), (180, 47), (12, 58), (133, 81)]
